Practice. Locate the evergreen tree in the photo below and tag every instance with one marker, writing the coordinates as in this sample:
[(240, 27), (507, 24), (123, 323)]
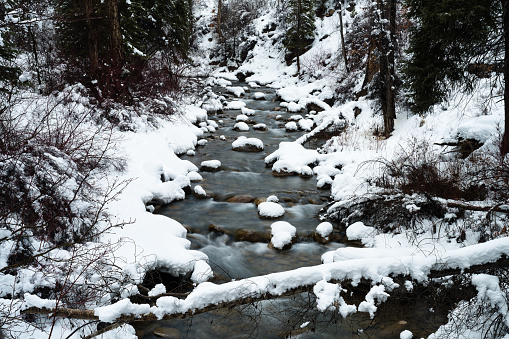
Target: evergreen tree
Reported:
[(301, 26), (9, 71), (451, 37), (448, 36), (114, 40)]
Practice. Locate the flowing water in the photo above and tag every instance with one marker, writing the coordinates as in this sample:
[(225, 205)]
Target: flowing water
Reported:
[(245, 173)]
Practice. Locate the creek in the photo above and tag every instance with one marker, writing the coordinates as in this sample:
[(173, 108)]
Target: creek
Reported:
[(245, 173)]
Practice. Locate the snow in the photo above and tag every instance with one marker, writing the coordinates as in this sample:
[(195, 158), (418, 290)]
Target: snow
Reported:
[(157, 290), (241, 126), (269, 209), (201, 272), (242, 117), (199, 191), (272, 198), (359, 231), (291, 126), (282, 234), (32, 300), (237, 91), (243, 141), (247, 111), (237, 104), (292, 157), (211, 164), (259, 95), (406, 334), (324, 229)]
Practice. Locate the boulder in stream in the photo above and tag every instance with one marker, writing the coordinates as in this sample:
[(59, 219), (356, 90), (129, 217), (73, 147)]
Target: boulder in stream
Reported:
[(241, 199), (283, 235), (270, 210), (210, 165), (243, 144), (251, 236)]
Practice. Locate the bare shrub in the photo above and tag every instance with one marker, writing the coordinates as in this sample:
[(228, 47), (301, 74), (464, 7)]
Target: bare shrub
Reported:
[(53, 206), (420, 169)]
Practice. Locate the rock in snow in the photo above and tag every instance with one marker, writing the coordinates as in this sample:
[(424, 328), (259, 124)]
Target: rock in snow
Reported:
[(244, 144), (270, 210), (210, 165), (282, 234)]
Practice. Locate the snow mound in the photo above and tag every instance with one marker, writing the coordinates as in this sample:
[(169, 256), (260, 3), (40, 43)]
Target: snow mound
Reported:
[(199, 191), (236, 104), (282, 233), (358, 231), (195, 114), (247, 111), (291, 126), (481, 128), (259, 95), (292, 157), (273, 198), (242, 117), (243, 143), (270, 210), (237, 91), (294, 107), (241, 126), (210, 164), (194, 176), (406, 334), (202, 272), (260, 126), (324, 229)]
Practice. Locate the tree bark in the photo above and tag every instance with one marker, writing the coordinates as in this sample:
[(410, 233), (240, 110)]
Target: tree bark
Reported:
[(115, 43), (505, 19), (342, 37), (93, 54), (387, 43), (219, 6)]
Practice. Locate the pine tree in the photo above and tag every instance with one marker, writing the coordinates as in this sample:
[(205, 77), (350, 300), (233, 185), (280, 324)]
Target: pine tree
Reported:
[(301, 26), (9, 71), (448, 36)]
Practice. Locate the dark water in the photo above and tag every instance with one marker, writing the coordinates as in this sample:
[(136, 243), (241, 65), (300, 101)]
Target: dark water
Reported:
[(246, 174)]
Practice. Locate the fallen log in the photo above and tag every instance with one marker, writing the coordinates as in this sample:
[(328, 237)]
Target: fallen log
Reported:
[(250, 298)]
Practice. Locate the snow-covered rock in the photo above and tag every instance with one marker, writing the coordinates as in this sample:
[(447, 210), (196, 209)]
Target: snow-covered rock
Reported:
[(210, 165), (282, 234), (236, 104), (270, 210), (241, 127), (244, 144), (259, 95)]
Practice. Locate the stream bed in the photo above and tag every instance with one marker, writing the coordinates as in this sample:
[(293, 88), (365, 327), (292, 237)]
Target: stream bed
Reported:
[(214, 223)]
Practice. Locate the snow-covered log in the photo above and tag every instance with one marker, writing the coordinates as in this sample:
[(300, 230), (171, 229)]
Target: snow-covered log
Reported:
[(208, 296)]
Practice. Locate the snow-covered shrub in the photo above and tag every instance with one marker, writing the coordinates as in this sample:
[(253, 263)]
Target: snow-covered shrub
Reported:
[(418, 168)]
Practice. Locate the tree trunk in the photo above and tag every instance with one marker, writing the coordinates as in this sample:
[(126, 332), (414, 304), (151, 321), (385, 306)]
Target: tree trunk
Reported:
[(93, 54), (342, 37), (219, 6), (505, 19), (115, 43), (299, 38), (387, 43)]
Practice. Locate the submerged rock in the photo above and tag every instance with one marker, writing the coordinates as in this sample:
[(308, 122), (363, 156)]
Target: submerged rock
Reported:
[(241, 199), (251, 236)]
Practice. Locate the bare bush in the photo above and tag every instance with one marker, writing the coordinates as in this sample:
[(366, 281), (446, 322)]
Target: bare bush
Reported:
[(53, 199)]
